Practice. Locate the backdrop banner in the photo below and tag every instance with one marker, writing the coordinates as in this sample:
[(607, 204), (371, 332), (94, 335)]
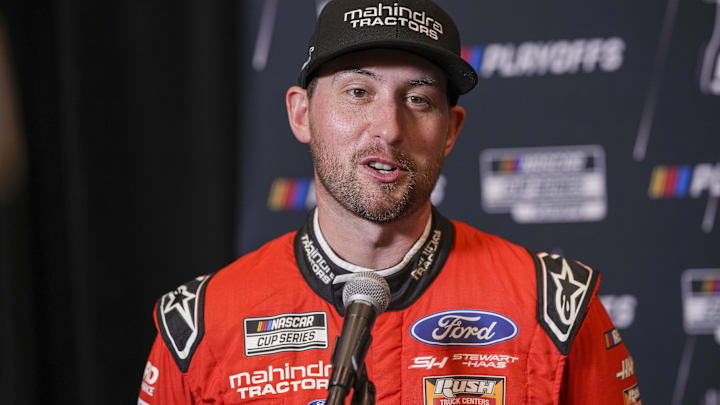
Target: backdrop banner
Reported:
[(592, 133)]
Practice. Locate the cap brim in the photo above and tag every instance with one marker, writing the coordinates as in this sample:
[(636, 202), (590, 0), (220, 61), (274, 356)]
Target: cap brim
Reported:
[(461, 76)]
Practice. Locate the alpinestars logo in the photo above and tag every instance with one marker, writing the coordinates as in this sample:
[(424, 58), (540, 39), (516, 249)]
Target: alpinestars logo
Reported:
[(383, 15), (566, 288), (179, 316), (538, 58), (687, 181)]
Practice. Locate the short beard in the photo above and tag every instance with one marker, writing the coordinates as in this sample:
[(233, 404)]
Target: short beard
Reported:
[(374, 205)]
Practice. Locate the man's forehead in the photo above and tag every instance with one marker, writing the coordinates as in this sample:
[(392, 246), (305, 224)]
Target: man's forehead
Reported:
[(378, 63)]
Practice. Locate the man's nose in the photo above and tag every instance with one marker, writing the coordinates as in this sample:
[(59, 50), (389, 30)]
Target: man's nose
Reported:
[(386, 120)]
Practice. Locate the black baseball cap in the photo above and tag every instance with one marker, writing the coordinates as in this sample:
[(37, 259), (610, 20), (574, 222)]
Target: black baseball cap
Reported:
[(418, 26)]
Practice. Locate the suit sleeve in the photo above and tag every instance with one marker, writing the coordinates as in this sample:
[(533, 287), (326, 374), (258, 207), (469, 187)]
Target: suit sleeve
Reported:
[(599, 368), (163, 383)]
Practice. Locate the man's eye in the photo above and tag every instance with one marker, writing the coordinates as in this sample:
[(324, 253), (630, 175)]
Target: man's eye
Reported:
[(358, 93), (417, 100)]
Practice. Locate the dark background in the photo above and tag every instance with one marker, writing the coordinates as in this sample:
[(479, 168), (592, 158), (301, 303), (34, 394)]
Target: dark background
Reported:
[(149, 142)]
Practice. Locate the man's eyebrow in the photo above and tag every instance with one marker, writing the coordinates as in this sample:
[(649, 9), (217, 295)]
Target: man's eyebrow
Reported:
[(355, 71), (425, 81)]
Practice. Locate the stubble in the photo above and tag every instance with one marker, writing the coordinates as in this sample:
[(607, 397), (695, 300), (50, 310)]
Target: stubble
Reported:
[(370, 199)]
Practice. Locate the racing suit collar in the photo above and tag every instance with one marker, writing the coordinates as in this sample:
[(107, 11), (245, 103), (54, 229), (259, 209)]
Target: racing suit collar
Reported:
[(352, 268), (407, 282)]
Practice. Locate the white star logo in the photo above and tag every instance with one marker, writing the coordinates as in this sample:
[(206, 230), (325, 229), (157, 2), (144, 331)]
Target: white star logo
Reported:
[(567, 293), (179, 301)]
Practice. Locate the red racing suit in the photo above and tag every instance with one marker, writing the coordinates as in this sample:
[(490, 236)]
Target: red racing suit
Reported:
[(473, 319)]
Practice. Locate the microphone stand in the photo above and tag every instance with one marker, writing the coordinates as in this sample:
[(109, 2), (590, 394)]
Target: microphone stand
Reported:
[(364, 393), (349, 360)]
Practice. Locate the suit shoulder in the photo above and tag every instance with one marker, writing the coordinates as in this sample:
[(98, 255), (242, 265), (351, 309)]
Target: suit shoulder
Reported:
[(180, 313), (180, 319), (277, 250), (468, 237), (564, 290)]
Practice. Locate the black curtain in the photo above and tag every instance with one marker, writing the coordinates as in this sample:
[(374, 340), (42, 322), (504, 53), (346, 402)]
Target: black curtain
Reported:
[(128, 115)]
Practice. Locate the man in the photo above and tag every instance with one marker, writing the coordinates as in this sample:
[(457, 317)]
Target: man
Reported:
[(473, 319)]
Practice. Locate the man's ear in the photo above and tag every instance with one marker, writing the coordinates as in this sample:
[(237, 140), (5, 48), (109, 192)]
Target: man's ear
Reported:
[(297, 104), (455, 123)]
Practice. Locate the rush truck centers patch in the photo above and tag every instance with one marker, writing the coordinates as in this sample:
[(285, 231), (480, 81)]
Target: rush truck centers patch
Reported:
[(291, 332), (464, 389)]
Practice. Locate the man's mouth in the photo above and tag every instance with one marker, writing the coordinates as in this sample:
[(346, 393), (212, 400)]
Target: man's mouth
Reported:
[(383, 168)]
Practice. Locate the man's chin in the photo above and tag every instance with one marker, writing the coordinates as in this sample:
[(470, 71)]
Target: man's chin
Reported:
[(381, 212), (385, 212)]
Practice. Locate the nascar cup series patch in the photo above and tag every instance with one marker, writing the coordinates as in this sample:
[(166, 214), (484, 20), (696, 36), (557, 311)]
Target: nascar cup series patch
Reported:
[(464, 389), (292, 332)]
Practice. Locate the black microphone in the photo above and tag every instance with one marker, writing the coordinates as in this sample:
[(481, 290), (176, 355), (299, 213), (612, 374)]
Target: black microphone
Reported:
[(365, 296)]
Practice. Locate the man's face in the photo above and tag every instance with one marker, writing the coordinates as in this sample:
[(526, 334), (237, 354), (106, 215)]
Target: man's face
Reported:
[(379, 125)]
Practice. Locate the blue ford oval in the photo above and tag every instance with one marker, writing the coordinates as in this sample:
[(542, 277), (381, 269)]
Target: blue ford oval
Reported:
[(464, 327)]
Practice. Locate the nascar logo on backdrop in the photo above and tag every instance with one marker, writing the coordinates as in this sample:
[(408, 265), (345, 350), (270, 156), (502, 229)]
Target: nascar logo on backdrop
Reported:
[(701, 301), (545, 184), (538, 58), (289, 194), (687, 181), (298, 194)]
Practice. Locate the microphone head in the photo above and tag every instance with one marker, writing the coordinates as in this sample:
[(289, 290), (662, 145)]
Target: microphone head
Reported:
[(370, 287)]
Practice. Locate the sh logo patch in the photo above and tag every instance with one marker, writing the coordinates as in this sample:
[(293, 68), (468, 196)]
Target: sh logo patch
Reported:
[(464, 389), (292, 332), (564, 290)]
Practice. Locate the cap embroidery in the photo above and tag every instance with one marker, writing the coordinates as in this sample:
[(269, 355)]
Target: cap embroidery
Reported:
[(394, 15), (310, 51)]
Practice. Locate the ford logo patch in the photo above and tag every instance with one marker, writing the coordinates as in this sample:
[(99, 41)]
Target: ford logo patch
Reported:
[(317, 402), (464, 327)]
